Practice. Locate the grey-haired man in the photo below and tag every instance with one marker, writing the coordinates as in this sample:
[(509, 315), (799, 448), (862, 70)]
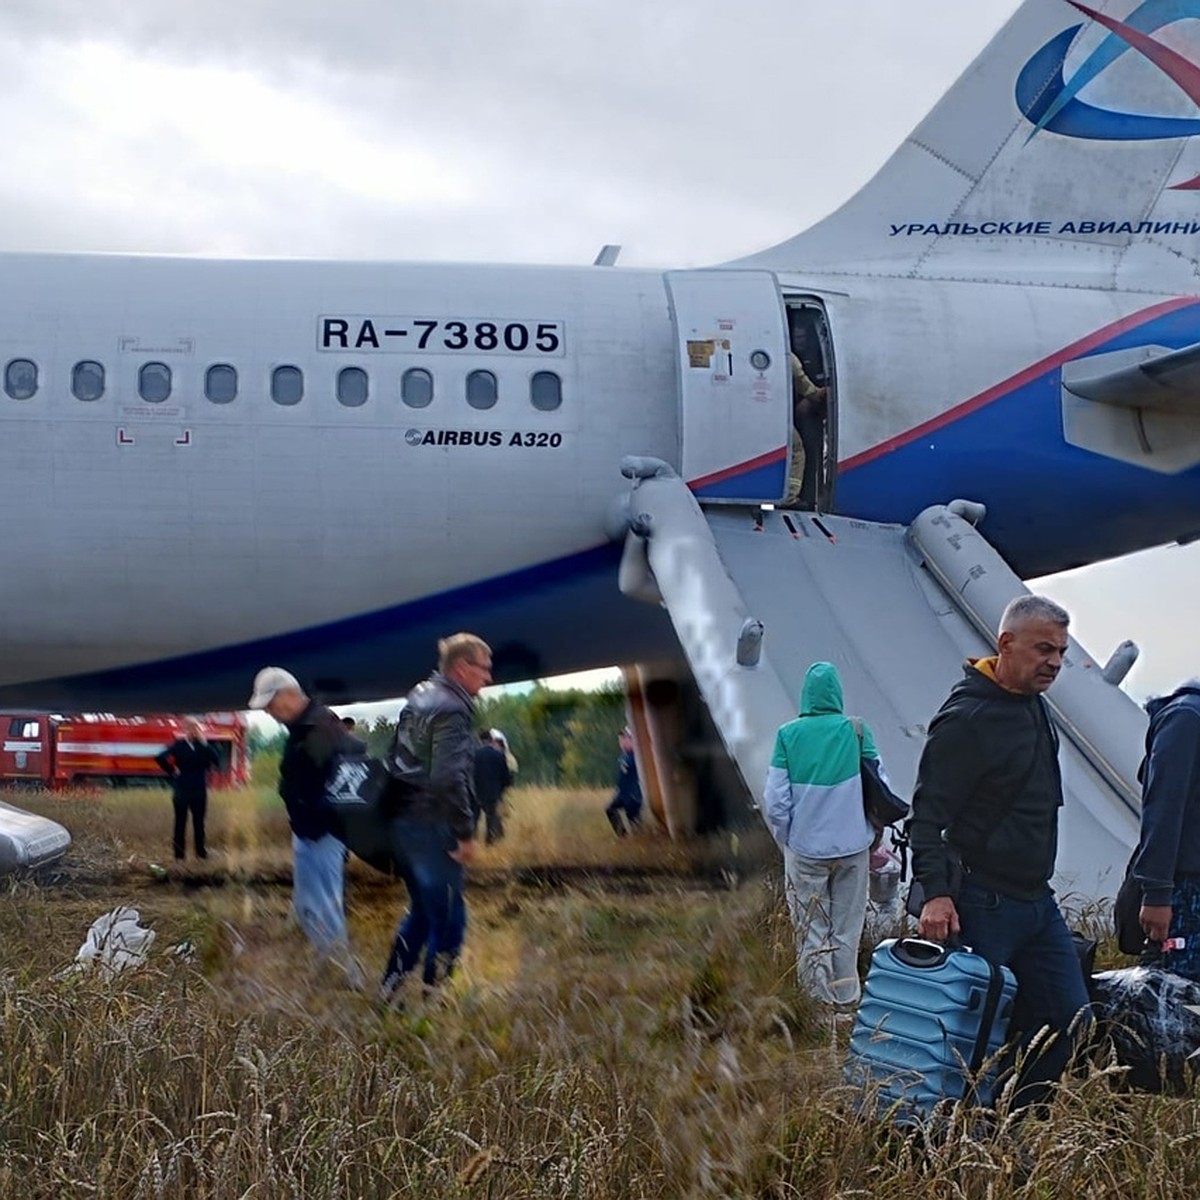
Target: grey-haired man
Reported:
[(314, 736), (986, 810)]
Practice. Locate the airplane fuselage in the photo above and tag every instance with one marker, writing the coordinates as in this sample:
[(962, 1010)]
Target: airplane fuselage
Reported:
[(413, 449)]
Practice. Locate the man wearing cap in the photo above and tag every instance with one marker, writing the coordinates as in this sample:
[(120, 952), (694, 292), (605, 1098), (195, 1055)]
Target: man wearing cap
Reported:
[(626, 804), (432, 762), (314, 735)]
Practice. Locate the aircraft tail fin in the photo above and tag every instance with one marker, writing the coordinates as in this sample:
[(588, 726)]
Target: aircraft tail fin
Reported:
[(1069, 150)]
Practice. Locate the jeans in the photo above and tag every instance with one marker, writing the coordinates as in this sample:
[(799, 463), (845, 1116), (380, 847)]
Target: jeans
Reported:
[(1185, 924), (195, 803), (436, 922), (318, 873), (1031, 937), (827, 899)]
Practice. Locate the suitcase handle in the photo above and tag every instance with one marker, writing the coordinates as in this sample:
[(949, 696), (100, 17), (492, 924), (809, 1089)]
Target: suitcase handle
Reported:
[(916, 952)]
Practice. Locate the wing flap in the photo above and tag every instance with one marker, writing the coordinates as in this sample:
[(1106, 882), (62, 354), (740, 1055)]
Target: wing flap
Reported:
[(1151, 377)]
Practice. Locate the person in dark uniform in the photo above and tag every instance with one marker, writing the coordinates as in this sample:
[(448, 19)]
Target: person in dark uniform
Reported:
[(492, 777), (187, 762), (627, 799)]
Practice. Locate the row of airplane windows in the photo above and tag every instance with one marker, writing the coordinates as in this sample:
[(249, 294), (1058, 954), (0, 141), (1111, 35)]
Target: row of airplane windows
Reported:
[(287, 385)]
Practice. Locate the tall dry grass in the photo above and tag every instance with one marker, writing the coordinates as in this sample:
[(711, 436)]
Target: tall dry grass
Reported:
[(610, 1034)]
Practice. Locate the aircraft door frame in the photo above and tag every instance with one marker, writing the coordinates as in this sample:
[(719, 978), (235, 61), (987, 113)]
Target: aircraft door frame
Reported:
[(734, 384)]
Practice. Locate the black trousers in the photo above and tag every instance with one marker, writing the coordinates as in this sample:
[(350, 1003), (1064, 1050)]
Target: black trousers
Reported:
[(195, 803)]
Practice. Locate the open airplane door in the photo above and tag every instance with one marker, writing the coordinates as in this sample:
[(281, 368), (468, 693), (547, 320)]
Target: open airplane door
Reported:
[(734, 384)]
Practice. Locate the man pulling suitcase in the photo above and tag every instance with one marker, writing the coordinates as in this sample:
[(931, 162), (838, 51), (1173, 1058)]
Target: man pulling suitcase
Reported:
[(984, 834)]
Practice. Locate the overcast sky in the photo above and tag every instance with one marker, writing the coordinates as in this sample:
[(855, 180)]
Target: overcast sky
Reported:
[(689, 131)]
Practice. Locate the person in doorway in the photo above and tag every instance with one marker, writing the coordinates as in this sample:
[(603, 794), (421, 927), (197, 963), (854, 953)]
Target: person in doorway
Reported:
[(813, 805), (806, 346), (432, 763), (492, 778), (315, 734), (187, 762), (1166, 864), (984, 835), (624, 810), (808, 407)]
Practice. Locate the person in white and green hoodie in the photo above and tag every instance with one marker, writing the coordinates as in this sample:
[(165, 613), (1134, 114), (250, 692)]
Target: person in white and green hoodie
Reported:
[(813, 805)]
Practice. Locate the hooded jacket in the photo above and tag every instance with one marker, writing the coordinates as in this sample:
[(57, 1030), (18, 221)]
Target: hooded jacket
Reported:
[(813, 801), (989, 778), (1169, 846)]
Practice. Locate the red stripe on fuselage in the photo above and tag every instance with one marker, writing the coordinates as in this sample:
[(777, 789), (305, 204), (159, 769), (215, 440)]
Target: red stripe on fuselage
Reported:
[(1019, 380)]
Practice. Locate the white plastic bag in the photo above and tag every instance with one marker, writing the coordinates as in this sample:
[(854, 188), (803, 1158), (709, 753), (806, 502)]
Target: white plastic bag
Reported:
[(115, 942)]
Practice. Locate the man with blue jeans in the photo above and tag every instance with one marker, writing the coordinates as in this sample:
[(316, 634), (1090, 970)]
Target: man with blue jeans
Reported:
[(315, 734), (432, 762), (984, 832)]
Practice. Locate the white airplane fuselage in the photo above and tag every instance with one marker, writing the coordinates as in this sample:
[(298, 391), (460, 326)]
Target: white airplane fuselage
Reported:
[(223, 535)]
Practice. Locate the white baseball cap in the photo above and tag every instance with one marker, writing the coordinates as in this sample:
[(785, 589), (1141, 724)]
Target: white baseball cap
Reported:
[(270, 681)]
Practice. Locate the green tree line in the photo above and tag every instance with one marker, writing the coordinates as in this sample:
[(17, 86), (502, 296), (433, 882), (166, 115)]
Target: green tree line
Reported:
[(559, 738)]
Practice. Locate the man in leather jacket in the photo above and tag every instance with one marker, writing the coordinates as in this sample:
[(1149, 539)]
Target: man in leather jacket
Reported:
[(432, 762)]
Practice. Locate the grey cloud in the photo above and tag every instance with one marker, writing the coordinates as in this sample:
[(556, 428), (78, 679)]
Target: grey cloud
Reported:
[(673, 100)]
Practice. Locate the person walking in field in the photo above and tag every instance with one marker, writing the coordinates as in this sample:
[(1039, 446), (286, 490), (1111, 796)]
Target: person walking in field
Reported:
[(315, 735), (624, 811), (984, 833), (492, 778), (813, 805), (432, 762)]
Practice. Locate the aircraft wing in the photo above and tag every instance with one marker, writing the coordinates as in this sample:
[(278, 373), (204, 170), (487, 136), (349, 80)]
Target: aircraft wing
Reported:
[(1156, 378)]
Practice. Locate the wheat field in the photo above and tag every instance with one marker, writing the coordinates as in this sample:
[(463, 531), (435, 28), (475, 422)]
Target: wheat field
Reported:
[(625, 1023)]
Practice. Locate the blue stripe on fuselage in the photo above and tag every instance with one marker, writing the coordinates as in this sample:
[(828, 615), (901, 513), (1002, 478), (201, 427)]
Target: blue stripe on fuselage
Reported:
[(1050, 505)]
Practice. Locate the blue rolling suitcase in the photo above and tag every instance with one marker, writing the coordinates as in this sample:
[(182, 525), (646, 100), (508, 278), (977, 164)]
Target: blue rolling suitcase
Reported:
[(929, 1020)]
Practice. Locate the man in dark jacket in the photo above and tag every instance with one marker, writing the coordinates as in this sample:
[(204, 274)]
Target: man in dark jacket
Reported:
[(187, 761), (1167, 861), (433, 766), (492, 777), (314, 736), (984, 832)]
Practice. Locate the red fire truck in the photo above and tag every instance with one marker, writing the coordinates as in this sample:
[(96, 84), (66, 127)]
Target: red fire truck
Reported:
[(98, 749)]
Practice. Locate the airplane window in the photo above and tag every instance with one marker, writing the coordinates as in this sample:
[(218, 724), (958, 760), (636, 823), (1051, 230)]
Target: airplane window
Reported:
[(352, 387), (481, 389), (87, 380), (154, 382), (221, 383), (21, 378), (545, 391), (287, 385), (416, 388)]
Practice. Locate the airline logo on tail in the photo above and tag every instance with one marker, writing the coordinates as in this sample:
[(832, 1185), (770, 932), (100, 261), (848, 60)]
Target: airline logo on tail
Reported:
[(1052, 103)]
